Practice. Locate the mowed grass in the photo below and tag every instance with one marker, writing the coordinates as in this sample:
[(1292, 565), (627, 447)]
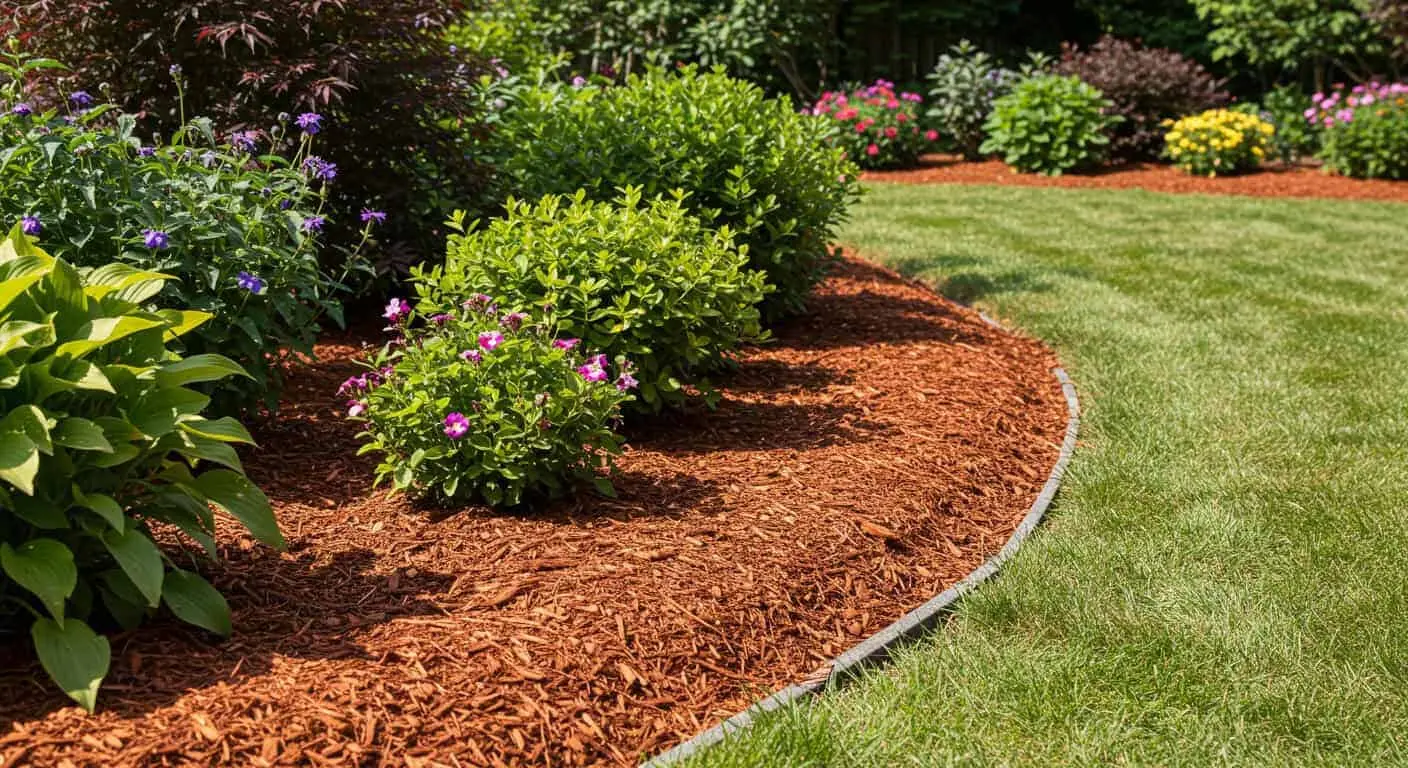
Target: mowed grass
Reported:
[(1224, 577)]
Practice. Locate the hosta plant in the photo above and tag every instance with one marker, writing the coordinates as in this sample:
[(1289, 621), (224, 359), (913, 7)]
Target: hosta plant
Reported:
[(476, 404), (643, 280), (1218, 141), (102, 442), (1050, 124), (877, 127)]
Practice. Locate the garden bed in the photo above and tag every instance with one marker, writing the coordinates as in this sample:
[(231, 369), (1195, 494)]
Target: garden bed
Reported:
[(1273, 181), (877, 452)]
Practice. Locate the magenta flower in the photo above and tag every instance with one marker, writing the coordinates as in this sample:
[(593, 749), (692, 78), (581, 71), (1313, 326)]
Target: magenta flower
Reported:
[(440, 319), (513, 320), (593, 373), (396, 310), (566, 343), (626, 381), (472, 355), (931, 135), (456, 425), (490, 340), (355, 408), (872, 150)]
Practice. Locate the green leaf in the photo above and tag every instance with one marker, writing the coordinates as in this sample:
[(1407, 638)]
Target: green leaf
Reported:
[(104, 506), (19, 461), (158, 412), (206, 449), (236, 495), (225, 429), (31, 421), (194, 601), (182, 321), (82, 435), (139, 559), (44, 567), (106, 330), (74, 656), (198, 368)]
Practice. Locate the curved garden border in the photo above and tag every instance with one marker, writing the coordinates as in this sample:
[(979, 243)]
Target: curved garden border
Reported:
[(877, 648)]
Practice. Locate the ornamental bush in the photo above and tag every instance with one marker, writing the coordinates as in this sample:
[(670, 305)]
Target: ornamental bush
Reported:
[(1218, 141), (238, 226), (876, 127), (101, 439), (474, 405), (398, 112), (644, 281), (746, 161), (1146, 87), (963, 85), (1365, 130), (1050, 124), (1296, 137)]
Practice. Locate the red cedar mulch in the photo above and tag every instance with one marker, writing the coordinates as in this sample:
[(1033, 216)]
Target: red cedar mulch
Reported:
[(875, 454), (1272, 181)]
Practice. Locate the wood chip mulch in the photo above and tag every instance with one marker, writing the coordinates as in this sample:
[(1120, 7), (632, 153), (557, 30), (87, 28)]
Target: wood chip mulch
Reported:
[(881, 449), (1272, 181)]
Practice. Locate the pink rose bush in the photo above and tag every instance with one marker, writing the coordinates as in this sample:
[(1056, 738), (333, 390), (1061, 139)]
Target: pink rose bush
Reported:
[(1365, 129), (877, 127)]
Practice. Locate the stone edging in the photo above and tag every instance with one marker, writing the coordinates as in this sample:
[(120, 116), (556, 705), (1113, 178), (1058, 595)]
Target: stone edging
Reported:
[(877, 648)]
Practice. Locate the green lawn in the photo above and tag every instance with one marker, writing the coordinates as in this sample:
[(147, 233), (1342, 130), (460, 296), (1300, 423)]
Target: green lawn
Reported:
[(1224, 577)]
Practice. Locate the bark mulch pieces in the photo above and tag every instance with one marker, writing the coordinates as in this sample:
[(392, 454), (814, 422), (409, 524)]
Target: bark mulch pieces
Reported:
[(1272, 181), (880, 450)]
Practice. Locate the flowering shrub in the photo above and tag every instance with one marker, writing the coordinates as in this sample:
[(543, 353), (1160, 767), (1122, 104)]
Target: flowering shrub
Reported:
[(1295, 137), (237, 225), (1365, 130), (642, 281), (399, 112), (878, 128), (102, 439), (1146, 86), (745, 160), (963, 85), (1050, 124), (476, 405), (1218, 141)]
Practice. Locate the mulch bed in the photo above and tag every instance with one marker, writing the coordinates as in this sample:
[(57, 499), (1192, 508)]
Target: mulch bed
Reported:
[(880, 450), (1273, 181)]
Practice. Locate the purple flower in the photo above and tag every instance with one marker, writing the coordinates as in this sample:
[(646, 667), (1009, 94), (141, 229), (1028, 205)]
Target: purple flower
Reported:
[(626, 381), (355, 408), (513, 320), (566, 343), (285, 204), (441, 318), (353, 384), (146, 151), (208, 158), (81, 98), (243, 141), (155, 239), (579, 81), (456, 425), (472, 355), (314, 223), (22, 109), (597, 360), (249, 282), (310, 122), (592, 373), (30, 225), (481, 301), (396, 310), (490, 340), (369, 216), (320, 168)]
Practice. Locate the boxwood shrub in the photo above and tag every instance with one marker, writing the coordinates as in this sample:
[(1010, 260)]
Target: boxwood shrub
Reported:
[(101, 438), (643, 280), (744, 160), (480, 405)]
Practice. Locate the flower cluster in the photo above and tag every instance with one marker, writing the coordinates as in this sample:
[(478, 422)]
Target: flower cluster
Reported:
[(1218, 141), (878, 128), (1340, 106)]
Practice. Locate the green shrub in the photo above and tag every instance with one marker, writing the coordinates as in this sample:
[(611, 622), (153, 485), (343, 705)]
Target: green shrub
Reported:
[(963, 86), (877, 127), (643, 281), (745, 160), (474, 405), (238, 227), (1296, 137), (1218, 141), (1050, 124), (1365, 130), (101, 438)]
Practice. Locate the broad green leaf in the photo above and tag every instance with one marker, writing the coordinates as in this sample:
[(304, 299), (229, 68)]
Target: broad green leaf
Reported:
[(82, 435), (39, 513), (44, 567), (105, 506), (206, 449), (182, 321), (158, 412), (106, 330), (194, 601), (17, 334), (225, 429), (198, 368), (235, 494), (23, 273), (139, 559), (74, 656), (19, 461), (33, 422), (84, 375)]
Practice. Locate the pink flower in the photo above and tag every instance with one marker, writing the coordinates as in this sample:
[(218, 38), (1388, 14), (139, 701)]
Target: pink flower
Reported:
[(626, 381), (860, 127), (931, 135), (456, 425), (355, 408), (901, 117), (593, 373), (513, 320), (396, 310), (472, 355), (566, 343), (490, 340), (872, 150), (891, 131)]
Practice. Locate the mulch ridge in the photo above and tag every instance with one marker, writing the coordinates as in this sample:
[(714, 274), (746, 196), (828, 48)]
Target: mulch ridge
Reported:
[(1272, 181), (879, 451)]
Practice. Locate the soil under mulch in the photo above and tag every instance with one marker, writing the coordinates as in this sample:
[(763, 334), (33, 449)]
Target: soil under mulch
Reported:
[(1272, 181), (881, 449)]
